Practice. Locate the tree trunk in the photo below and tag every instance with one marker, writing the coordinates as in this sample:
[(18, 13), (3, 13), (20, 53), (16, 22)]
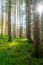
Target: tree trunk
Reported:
[(14, 29), (6, 18), (36, 34), (42, 26), (28, 20), (9, 19), (17, 18), (2, 18), (14, 25)]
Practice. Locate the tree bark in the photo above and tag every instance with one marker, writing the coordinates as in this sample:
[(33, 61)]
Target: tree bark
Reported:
[(28, 20), (36, 34), (42, 26), (9, 19), (2, 17)]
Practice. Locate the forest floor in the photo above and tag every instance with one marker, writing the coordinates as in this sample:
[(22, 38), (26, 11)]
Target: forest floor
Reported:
[(17, 52)]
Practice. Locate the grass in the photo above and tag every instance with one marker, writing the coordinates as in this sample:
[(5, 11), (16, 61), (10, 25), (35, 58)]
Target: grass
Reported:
[(17, 52)]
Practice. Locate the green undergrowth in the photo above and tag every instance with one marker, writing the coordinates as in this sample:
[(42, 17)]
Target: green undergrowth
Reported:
[(17, 52)]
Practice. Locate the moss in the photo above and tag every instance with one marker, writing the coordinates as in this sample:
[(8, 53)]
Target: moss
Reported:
[(17, 52)]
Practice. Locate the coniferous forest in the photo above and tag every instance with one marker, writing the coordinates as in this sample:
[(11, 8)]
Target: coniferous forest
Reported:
[(21, 32)]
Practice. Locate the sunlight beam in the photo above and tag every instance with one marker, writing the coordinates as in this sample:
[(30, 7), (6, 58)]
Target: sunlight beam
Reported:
[(40, 8)]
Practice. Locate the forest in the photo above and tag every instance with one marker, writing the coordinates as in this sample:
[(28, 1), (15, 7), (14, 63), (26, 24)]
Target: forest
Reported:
[(21, 32)]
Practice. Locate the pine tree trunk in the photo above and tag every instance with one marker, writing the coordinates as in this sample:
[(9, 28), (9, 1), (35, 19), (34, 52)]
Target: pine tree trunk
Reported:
[(2, 18), (14, 25), (6, 19), (9, 19), (14, 29), (17, 18), (28, 20), (36, 31), (42, 26)]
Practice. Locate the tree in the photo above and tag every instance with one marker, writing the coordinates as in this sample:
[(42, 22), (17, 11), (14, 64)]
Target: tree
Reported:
[(6, 17), (28, 20), (36, 34), (17, 18), (13, 15), (14, 26), (9, 19), (20, 17), (2, 17), (14, 29), (42, 26)]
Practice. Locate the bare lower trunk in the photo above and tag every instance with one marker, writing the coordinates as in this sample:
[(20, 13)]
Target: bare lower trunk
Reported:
[(36, 32), (9, 19), (28, 20), (6, 18), (42, 26), (2, 19), (14, 29)]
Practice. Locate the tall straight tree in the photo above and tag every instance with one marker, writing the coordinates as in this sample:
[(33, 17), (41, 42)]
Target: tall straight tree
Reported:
[(36, 34), (28, 20), (9, 19), (20, 17), (6, 17), (17, 18), (14, 12), (2, 17), (42, 26), (41, 53)]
